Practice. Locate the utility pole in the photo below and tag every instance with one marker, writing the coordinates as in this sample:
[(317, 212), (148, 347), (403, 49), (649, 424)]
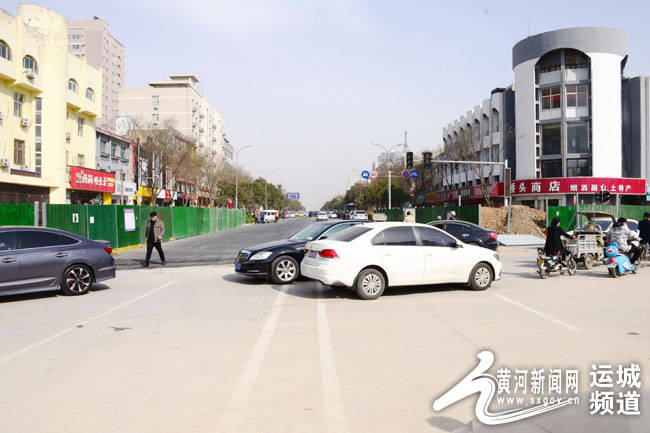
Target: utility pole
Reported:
[(237, 175), (388, 153)]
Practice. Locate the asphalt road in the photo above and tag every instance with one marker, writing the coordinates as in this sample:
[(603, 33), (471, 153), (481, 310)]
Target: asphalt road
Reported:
[(214, 248), (200, 349)]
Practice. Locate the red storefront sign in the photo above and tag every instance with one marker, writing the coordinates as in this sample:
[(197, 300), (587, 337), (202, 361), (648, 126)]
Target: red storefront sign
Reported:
[(550, 186), (91, 180)]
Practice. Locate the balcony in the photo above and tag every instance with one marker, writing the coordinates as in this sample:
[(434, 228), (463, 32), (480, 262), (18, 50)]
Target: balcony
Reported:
[(90, 108), (29, 81), (7, 70), (73, 100)]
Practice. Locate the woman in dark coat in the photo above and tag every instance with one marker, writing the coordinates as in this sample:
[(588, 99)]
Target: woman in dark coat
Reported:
[(554, 243)]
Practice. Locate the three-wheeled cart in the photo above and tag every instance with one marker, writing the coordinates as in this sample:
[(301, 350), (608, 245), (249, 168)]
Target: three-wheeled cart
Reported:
[(589, 244)]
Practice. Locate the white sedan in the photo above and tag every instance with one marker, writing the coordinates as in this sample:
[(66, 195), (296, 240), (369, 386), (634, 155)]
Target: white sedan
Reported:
[(322, 216), (373, 256)]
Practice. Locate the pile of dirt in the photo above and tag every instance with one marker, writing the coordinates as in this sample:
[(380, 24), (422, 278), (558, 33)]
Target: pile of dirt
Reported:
[(524, 220)]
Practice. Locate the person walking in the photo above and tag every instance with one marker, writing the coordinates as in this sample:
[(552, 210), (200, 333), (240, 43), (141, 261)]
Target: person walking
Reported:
[(154, 232)]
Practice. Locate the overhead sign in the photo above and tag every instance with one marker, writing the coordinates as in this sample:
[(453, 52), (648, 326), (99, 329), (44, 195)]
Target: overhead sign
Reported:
[(414, 173), (373, 174), (293, 196), (365, 174), (91, 180), (406, 174)]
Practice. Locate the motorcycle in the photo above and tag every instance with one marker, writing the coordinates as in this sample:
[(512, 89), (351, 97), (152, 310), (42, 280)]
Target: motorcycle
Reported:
[(617, 264), (547, 264)]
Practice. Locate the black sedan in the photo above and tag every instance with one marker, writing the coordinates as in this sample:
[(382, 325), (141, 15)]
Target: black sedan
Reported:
[(280, 260), (35, 259), (469, 233)]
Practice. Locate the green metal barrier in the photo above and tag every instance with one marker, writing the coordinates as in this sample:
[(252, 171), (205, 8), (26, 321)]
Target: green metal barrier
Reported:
[(72, 218), (16, 214), (568, 220), (135, 233), (427, 214), (102, 223)]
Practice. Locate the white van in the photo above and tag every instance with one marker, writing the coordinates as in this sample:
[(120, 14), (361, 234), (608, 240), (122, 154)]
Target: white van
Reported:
[(269, 215)]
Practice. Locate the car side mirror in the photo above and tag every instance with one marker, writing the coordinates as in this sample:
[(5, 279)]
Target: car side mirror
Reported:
[(455, 244), (309, 238)]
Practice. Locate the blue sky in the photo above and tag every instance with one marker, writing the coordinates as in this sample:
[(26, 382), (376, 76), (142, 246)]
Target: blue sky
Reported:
[(311, 83)]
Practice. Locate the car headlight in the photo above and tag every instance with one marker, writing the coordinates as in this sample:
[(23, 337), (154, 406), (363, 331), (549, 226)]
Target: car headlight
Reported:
[(496, 256), (261, 256)]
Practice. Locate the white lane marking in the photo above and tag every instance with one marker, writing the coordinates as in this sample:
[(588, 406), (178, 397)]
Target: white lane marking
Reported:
[(538, 313), (72, 328), (236, 408), (334, 412)]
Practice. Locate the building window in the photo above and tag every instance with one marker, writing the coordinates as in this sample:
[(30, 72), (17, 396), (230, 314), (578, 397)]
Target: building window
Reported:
[(552, 139), (577, 134), (495, 120), (551, 98), (72, 85), (552, 168), (19, 152), (578, 167), (38, 133), (5, 52), (155, 118), (550, 62), (123, 154), (103, 146), (80, 126), (576, 95), (574, 59), (155, 102), (30, 63), (90, 94), (81, 160), (114, 151), (18, 104)]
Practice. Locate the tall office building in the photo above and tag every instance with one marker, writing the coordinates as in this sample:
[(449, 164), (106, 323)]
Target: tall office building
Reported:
[(91, 40)]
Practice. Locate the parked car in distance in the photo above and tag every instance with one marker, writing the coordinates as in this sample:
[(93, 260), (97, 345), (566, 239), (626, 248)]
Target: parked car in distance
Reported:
[(36, 259), (359, 215), (469, 233), (300, 214), (374, 256), (333, 215), (322, 216), (270, 216), (280, 260)]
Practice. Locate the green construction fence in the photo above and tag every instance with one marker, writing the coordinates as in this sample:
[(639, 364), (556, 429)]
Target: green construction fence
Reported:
[(427, 214), (567, 214), (16, 214)]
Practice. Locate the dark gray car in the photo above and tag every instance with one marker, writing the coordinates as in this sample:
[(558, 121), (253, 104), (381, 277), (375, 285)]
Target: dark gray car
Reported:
[(35, 259)]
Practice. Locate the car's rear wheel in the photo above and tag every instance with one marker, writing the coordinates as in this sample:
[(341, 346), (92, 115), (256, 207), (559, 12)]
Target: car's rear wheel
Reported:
[(284, 270), (370, 284), (76, 280), (481, 277)]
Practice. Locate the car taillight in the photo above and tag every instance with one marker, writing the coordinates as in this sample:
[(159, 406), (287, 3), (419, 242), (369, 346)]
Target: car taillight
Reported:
[(492, 235), (108, 250), (328, 254)]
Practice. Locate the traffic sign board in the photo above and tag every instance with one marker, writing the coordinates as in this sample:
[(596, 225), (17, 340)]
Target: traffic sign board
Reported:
[(406, 174), (293, 196), (373, 174), (414, 173), (365, 174)]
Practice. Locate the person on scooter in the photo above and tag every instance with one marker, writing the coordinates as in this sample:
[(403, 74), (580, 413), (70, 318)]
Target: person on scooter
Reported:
[(621, 234), (554, 245)]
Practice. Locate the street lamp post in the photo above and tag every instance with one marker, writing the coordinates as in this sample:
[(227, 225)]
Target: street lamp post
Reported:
[(237, 175), (388, 152), (266, 184)]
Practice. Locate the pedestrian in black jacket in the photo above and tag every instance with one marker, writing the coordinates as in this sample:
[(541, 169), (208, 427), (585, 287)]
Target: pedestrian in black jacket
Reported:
[(554, 243)]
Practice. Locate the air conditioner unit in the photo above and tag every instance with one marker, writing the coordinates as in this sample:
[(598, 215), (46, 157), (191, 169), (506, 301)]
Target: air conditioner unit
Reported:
[(68, 136), (30, 73), (5, 162), (24, 122)]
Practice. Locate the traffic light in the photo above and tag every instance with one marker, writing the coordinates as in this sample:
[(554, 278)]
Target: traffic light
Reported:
[(602, 196), (426, 156), (409, 160)]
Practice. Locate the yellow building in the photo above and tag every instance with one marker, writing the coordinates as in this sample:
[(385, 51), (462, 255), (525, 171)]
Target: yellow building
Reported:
[(49, 100)]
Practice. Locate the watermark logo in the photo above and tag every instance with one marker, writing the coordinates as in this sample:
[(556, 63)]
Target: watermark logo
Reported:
[(524, 393)]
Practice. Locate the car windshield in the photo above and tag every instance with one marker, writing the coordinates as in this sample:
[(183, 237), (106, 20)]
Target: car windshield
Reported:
[(603, 224), (310, 232), (632, 226), (350, 234)]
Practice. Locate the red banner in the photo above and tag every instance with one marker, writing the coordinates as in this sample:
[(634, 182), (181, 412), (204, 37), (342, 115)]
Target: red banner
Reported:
[(91, 180), (549, 186)]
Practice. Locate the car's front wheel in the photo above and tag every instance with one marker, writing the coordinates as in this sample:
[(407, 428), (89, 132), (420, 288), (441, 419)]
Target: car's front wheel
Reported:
[(284, 270), (370, 284), (76, 280), (481, 277)]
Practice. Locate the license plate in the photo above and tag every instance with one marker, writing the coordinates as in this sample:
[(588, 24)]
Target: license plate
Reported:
[(238, 267), (312, 254), (540, 261)]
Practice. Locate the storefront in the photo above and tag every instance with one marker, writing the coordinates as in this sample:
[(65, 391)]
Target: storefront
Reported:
[(90, 186), (124, 194)]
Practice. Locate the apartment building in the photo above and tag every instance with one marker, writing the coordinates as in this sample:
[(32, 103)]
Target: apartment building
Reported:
[(178, 101), (49, 101), (91, 40)]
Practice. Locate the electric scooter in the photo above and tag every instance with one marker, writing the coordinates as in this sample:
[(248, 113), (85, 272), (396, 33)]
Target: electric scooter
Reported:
[(547, 264), (617, 264)]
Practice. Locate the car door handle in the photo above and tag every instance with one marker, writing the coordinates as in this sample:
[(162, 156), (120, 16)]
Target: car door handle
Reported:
[(61, 255), (9, 260)]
